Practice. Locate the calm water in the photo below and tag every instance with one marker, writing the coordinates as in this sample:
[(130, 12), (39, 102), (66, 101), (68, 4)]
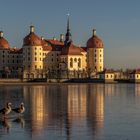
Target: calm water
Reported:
[(71, 112)]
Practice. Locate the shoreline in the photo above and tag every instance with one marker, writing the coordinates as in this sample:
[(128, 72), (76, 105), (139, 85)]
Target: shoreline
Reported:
[(57, 83), (63, 82)]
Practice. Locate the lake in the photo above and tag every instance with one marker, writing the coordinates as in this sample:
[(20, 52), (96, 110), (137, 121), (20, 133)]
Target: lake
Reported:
[(72, 111)]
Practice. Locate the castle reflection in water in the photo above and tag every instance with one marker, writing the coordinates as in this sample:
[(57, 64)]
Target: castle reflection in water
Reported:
[(65, 107), (61, 110)]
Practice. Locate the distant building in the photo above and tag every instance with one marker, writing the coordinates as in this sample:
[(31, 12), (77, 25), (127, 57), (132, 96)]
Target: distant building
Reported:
[(107, 76), (51, 58), (135, 76)]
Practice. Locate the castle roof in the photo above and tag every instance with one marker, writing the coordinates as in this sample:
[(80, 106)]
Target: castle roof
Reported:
[(4, 44), (32, 39), (95, 41)]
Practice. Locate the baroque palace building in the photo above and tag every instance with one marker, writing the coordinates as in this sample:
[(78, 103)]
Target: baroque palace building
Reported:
[(51, 58)]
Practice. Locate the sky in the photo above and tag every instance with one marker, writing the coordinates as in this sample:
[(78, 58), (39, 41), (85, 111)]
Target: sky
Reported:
[(117, 23)]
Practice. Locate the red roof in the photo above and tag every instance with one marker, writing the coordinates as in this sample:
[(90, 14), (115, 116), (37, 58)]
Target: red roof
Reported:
[(16, 50), (71, 49), (32, 40), (52, 45), (55, 42), (95, 42), (4, 43), (83, 49)]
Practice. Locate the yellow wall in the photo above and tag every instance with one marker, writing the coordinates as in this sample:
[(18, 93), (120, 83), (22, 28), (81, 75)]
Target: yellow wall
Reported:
[(32, 57), (95, 59)]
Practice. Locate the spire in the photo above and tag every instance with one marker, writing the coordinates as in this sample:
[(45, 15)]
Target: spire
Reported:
[(68, 38), (68, 23)]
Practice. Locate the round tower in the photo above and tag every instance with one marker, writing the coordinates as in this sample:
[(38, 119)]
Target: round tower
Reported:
[(95, 53), (32, 51)]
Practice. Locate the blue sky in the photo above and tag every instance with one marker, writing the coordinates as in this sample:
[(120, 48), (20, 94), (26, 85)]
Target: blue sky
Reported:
[(117, 23)]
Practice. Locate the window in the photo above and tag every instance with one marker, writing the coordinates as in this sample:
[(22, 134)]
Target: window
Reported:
[(3, 56), (13, 61), (137, 76), (100, 60), (52, 59), (75, 60), (28, 58), (95, 60), (40, 53), (17, 61), (95, 55), (79, 63), (71, 62), (35, 66), (40, 59), (35, 59), (35, 48), (35, 53), (100, 55)]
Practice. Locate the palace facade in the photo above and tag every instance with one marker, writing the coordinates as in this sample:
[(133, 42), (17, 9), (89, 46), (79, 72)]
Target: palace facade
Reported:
[(51, 58)]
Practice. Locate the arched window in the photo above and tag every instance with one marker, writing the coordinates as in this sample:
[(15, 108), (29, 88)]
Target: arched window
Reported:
[(75, 59), (79, 63), (71, 62)]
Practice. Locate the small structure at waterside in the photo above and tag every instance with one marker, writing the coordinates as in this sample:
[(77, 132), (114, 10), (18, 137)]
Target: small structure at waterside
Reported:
[(134, 76), (107, 76)]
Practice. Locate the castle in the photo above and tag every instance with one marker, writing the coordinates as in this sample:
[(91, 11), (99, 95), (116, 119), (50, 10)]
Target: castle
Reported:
[(51, 58)]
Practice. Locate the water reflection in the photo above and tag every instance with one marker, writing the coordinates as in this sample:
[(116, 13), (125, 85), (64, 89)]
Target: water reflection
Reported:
[(5, 125), (58, 112), (21, 121), (66, 109)]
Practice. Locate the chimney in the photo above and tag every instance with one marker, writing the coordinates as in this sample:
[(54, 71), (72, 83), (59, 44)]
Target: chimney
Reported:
[(61, 38), (32, 29), (42, 38), (1, 33), (94, 32), (54, 38)]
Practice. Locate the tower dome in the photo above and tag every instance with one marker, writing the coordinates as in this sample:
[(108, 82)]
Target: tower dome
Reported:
[(32, 39), (95, 41), (3, 42)]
